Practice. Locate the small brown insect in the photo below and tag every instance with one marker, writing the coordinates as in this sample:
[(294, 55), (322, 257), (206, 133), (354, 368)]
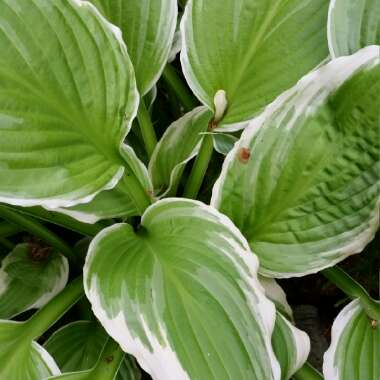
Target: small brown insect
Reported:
[(374, 323), (243, 155), (109, 359)]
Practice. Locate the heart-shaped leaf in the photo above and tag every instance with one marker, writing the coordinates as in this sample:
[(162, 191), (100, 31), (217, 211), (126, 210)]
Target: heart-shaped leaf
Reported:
[(148, 28), (21, 358), (252, 50), (302, 183), (179, 144), (30, 276), (353, 25), (116, 202), (67, 98), (176, 290), (354, 352)]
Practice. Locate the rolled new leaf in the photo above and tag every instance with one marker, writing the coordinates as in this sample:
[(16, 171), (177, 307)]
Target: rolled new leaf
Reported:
[(303, 182), (148, 28), (352, 25), (291, 346), (179, 144), (20, 357), (181, 294), (68, 95), (252, 50), (354, 353), (30, 276)]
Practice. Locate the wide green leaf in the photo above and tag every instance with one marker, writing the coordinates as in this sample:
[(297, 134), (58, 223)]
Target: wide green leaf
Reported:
[(253, 50), (21, 358), (67, 98), (353, 25), (354, 353), (179, 144), (116, 202), (303, 182), (30, 276), (148, 28), (291, 346), (181, 294)]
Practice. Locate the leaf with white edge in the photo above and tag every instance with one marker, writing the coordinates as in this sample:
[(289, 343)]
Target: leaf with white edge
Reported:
[(223, 142), (176, 290), (77, 346), (277, 295), (67, 98), (291, 346), (354, 353), (116, 202), (179, 144), (352, 25), (253, 50), (303, 182), (29, 278), (21, 358), (148, 28)]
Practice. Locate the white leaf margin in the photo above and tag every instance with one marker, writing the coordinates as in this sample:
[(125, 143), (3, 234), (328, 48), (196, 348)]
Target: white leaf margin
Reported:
[(74, 198), (301, 344), (326, 79), (330, 369), (152, 362), (198, 111)]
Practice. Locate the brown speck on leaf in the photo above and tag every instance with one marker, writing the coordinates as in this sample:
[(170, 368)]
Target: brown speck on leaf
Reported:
[(37, 252), (212, 124), (243, 155), (109, 359), (374, 324)]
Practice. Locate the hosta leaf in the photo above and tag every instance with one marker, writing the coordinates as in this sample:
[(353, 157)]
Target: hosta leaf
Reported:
[(177, 290), (77, 346), (115, 202), (179, 144), (106, 367), (354, 353), (148, 28), (253, 50), (303, 183), (29, 279), (67, 98), (353, 25), (20, 357), (291, 346)]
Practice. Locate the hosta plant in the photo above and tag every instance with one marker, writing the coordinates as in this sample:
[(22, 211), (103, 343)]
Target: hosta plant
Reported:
[(162, 163)]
